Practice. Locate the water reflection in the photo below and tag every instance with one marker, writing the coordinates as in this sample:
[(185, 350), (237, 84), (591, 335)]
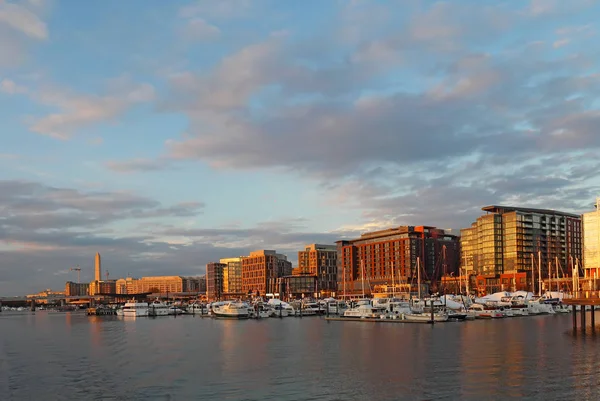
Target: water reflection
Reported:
[(273, 359)]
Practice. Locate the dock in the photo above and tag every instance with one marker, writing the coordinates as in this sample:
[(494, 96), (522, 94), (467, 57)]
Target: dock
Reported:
[(101, 312), (583, 300), (371, 320)]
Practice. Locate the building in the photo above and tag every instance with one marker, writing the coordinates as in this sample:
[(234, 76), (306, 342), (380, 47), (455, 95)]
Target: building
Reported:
[(391, 256), (297, 286), (320, 261), (591, 242), (157, 285), (214, 280), (103, 287), (98, 268), (261, 270), (76, 289), (232, 275), (511, 240), (201, 284)]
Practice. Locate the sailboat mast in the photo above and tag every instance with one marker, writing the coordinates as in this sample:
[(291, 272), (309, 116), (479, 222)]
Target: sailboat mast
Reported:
[(540, 273), (393, 281), (419, 277), (557, 278), (532, 274), (362, 276)]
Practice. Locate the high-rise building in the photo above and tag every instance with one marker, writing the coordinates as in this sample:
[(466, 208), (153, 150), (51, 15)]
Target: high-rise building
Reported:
[(232, 275), (214, 280), (389, 256), (591, 242), (261, 270), (98, 268), (319, 261), (509, 240)]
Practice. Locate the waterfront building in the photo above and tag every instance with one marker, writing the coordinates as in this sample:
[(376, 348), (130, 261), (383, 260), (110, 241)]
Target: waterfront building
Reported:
[(320, 261), (591, 242), (97, 267), (386, 256), (297, 286), (202, 284), (261, 269), (157, 285), (214, 280), (76, 289), (232, 275), (103, 287), (511, 240)]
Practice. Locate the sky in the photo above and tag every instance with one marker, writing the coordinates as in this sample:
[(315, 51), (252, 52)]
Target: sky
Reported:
[(169, 134)]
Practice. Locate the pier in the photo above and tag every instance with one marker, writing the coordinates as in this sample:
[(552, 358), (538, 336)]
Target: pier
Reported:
[(583, 300), (373, 320)]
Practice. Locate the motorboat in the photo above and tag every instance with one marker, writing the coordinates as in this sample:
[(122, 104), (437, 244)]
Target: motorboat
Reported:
[(438, 316), (134, 308), (232, 310), (479, 311), (158, 308), (280, 308), (197, 308), (364, 309)]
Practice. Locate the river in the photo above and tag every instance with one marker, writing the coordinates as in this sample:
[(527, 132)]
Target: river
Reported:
[(70, 356)]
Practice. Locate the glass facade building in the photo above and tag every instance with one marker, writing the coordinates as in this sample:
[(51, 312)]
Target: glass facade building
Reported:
[(512, 239)]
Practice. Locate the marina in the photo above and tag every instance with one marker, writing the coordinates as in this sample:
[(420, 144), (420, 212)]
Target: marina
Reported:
[(470, 360)]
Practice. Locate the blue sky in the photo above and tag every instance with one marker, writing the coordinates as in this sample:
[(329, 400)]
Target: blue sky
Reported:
[(166, 135)]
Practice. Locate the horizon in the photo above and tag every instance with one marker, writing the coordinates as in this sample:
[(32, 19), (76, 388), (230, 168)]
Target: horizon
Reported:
[(206, 130)]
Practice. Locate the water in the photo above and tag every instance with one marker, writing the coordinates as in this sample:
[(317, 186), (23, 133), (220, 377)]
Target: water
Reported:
[(68, 356)]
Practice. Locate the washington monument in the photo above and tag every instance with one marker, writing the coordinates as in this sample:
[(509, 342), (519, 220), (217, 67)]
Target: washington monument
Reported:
[(98, 269)]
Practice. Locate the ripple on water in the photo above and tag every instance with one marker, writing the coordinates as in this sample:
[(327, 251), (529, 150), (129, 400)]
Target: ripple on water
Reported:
[(75, 357)]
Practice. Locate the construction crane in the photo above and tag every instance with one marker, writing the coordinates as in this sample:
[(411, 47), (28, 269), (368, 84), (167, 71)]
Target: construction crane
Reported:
[(78, 270), (106, 274)]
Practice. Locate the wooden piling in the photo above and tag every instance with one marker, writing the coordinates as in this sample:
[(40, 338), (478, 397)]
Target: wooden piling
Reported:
[(592, 317), (574, 313), (583, 317)]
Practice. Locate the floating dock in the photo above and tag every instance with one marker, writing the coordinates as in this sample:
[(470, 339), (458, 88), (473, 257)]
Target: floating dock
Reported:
[(371, 320)]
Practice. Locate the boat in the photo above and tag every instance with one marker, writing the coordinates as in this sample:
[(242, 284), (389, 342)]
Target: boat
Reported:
[(478, 311), (158, 308), (232, 310), (197, 308), (425, 317), (134, 308), (280, 308), (364, 309)]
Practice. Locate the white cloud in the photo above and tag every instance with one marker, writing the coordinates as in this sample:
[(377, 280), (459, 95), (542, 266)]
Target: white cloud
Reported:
[(200, 30), (21, 19), (76, 110), (560, 43), (10, 87)]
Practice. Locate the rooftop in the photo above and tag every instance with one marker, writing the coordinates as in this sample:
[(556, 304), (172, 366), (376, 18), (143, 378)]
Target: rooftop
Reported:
[(507, 209)]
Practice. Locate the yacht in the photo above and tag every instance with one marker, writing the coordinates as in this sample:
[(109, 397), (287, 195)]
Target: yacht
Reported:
[(280, 308), (232, 310), (197, 308), (478, 311), (135, 308), (364, 309), (158, 308), (425, 317)]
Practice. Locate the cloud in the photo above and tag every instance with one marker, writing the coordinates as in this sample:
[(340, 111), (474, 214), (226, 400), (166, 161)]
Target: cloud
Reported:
[(19, 18), (198, 29), (79, 110), (136, 165), (560, 43), (55, 228), (10, 87)]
